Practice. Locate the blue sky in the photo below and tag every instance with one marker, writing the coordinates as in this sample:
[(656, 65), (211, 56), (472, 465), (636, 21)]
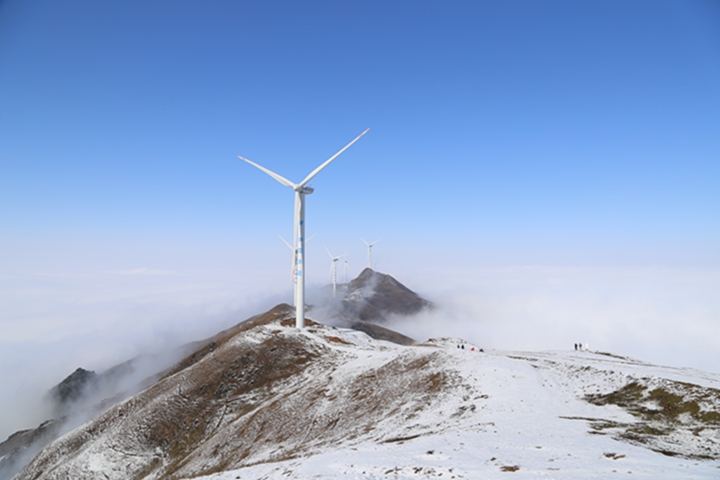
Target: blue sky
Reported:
[(566, 132), (538, 134)]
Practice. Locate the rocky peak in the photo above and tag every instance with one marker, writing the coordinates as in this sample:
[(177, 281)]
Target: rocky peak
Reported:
[(373, 295), (73, 387)]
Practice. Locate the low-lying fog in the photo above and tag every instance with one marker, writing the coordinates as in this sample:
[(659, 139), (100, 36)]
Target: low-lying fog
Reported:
[(51, 325)]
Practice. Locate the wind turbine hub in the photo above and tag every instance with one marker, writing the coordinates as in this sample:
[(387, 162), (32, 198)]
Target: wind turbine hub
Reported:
[(305, 190)]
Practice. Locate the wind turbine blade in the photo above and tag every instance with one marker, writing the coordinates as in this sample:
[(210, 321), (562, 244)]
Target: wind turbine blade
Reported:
[(274, 175), (373, 243), (325, 164), (366, 243), (285, 242), (310, 237), (326, 249)]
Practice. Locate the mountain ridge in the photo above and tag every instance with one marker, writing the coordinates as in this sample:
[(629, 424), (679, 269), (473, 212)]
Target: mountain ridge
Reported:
[(89, 393), (271, 401), (262, 399)]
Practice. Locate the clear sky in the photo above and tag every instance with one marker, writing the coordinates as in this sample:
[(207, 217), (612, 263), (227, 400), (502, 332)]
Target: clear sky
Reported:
[(517, 136)]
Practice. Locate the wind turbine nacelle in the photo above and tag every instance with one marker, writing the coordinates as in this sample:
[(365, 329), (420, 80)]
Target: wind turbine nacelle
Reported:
[(305, 190)]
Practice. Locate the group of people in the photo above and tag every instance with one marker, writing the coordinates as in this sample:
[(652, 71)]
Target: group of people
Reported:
[(579, 346), (462, 346)]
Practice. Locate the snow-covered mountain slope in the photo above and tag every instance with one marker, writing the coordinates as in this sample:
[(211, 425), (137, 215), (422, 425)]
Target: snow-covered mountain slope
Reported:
[(84, 394), (527, 413), (269, 401)]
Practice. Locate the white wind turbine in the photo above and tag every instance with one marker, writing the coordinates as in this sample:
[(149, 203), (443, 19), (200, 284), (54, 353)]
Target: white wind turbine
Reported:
[(333, 269), (369, 245), (345, 268), (292, 267), (301, 189)]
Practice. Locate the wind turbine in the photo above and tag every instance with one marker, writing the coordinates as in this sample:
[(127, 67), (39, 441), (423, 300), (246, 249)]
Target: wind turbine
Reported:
[(333, 269), (301, 189), (345, 268), (292, 267), (369, 245)]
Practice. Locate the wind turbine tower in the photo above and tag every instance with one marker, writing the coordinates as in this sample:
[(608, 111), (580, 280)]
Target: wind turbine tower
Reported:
[(369, 255), (292, 267), (301, 189)]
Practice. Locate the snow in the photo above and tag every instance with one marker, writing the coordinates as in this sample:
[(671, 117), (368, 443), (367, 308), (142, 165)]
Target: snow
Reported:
[(478, 414), (521, 416), (461, 456)]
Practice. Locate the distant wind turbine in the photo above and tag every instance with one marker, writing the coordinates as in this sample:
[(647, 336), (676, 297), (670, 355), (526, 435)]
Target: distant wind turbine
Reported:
[(369, 255), (345, 268), (301, 189), (333, 269), (292, 267)]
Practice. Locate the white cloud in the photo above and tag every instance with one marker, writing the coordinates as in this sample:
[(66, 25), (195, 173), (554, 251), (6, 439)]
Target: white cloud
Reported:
[(50, 325), (662, 315)]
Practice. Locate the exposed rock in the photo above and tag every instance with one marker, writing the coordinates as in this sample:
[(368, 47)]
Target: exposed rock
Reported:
[(74, 386), (381, 333), (22, 446), (372, 296)]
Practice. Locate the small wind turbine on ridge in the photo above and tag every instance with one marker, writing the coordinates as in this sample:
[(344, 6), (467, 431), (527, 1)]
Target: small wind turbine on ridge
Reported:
[(301, 189), (369, 255)]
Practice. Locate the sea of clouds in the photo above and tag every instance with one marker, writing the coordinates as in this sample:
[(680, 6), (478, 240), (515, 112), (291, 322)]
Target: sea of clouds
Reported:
[(52, 324)]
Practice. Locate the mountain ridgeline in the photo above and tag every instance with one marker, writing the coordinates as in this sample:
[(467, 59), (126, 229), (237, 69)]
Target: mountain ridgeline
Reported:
[(369, 300), (373, 296), (263, 399)]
